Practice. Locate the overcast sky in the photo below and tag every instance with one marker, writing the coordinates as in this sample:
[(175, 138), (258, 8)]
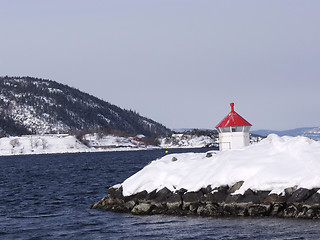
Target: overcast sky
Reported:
[(179, 62)]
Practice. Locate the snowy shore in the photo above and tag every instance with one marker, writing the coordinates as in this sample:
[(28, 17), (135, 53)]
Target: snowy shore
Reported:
[(59, 143), (279, 176), (64, 143)]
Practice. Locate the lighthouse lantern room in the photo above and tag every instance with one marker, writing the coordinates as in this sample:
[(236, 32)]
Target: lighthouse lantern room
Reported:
[(233, 131)]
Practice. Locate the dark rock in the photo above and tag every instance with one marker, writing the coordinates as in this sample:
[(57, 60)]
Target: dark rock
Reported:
[(216, 197), (152, 195), (192, 200), (174, 198), (233, 198), (224, 188), (192, 197), (274, 198), (162, 195), (209, 154), (253, 197), (181, 191), (290, 211), (300, 195), (109, 203), (314, 212), (206, 190), (174, 159), (174, 204), (277, 209), (314, 199), (141, 209), (303, 212), (137, 197), (116, 192), (271, 198), (210, 209), (236, 186), (235, 209), (256, 210), (290, 191), (129, 205)]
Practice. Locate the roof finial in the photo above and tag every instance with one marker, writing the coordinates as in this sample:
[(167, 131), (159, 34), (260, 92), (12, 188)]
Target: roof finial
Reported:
[(232, 107)]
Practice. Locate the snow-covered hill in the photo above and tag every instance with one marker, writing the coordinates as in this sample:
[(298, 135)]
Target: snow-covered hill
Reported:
[(36, 106), (274, 164)]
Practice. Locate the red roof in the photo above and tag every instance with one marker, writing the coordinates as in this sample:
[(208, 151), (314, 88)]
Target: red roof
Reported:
[(233, 119)]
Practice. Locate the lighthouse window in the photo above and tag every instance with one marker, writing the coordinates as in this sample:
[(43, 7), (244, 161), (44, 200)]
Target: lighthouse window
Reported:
[(233, 129), (225, 129), (239, 129)]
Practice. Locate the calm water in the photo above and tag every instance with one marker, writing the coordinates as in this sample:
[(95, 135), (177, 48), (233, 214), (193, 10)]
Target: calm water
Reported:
[(49, 197)]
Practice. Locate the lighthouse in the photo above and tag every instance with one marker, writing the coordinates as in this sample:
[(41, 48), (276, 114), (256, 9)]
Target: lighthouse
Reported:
[(233, 131)]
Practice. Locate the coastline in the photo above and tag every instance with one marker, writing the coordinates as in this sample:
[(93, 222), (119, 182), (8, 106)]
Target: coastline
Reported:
[(219, 202), (64, 143)]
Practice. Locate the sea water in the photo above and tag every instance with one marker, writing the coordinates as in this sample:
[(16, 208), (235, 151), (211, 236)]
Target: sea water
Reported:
[(49, 197)]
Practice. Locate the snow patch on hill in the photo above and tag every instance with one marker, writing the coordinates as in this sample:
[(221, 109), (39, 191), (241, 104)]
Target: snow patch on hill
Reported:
[(273, 164)]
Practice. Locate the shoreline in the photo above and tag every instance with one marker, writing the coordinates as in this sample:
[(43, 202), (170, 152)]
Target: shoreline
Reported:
[(101, 151), (299, 203), (64, 143)]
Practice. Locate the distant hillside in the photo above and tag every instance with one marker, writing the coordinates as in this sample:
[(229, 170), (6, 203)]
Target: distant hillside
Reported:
[(310, 132), (36, 106)]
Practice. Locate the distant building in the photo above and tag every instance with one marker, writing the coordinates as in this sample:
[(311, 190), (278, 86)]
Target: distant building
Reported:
[(233, 131), (139, 138)]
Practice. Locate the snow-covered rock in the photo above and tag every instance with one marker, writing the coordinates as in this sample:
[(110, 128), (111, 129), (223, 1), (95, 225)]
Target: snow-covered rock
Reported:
[(274, 164)]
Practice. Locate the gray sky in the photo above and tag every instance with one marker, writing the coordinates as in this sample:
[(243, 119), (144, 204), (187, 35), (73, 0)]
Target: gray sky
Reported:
[(179, 62)]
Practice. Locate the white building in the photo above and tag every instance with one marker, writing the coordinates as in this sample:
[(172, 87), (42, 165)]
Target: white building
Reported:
[(233, 131)]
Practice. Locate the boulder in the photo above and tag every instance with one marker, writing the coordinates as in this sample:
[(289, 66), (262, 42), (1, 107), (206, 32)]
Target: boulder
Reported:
[(192, 197), (235, 187), (141, 209), (137, 197), (210, 209), (300, 195), (233, 198), (216, 197), (290, 211), (129, 205), (235, 209), (277, 209), (174, 204), (191, 200), (314, 199), (206, 190), (253, 197), (162, 195), (116, 192), (255, 210)]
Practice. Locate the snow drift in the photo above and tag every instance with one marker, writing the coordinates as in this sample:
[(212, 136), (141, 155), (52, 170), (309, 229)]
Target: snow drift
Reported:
[(273, 164)]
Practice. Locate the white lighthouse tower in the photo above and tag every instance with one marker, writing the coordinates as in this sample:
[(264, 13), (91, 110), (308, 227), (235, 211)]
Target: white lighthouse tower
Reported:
[(233, 131)]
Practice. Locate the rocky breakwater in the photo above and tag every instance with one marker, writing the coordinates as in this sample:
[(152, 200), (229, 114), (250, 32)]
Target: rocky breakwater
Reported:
[(275, 177), (217, 202)]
